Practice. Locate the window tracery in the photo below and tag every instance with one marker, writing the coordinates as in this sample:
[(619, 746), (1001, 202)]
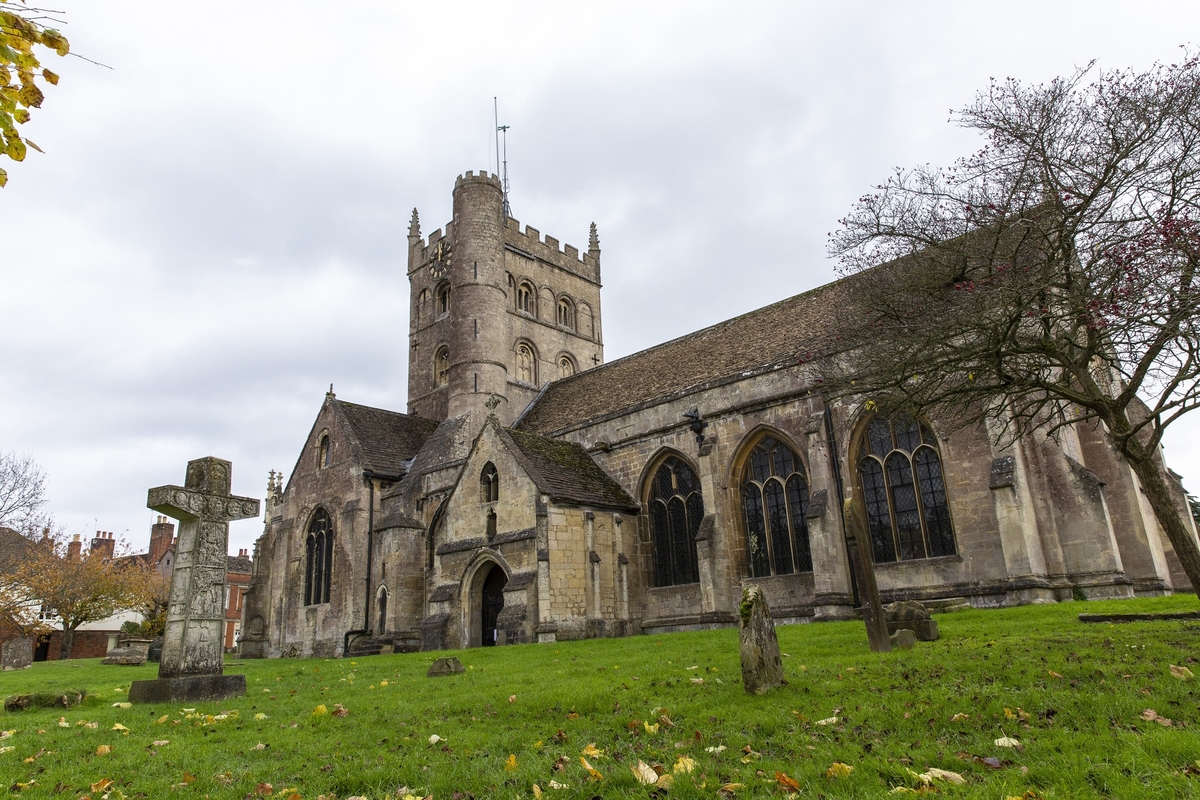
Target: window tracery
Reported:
[(900, 471), (774, 507), (318, 572), (566, 367), (676, 510), (526, 364), (441, 366)]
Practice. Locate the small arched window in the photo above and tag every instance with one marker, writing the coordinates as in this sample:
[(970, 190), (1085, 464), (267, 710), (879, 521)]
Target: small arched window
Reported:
[(527, 299), (566, 367), (526, 364), (774, 504), (443, 299), (422, 306), (900, 472), (489, 484), (566, 314), (323, 452), (676, 509), (441, 366), (318, 551)]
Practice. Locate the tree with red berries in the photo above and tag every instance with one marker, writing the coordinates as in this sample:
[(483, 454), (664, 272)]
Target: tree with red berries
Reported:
[(1048, 280)]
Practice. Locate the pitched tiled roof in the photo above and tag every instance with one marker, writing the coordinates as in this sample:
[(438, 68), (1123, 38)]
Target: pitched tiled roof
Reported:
[(761, 340), (565, 471), (384, 440)]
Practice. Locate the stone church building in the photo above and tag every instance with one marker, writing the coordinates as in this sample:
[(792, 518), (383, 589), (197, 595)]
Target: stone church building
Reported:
[(533, 492)]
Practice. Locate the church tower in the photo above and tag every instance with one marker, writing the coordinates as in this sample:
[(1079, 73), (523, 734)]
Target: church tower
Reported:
[(496, 311)]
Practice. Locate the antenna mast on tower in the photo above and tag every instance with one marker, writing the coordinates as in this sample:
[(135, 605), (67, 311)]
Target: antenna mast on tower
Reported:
[(502, 165)]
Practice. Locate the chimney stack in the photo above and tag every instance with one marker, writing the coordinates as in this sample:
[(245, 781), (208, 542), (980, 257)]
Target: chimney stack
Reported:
[(104, 544), (74, 547), (162, 533)]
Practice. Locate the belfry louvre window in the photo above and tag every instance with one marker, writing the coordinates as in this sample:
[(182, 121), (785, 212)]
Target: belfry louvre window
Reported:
[(566, 314), (526, 299), (318, 572), (441, 367), (900, 471), (676, 509), (443, 299), (774, 504)]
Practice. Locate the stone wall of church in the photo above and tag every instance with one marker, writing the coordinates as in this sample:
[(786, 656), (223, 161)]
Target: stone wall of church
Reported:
[(1043, 536), (275, 604)]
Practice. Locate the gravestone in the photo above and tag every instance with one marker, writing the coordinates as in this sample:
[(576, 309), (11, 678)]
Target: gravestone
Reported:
[(904, 639), (192, 661), (861, 562), (913, 616), (131, 654), (762, 667), (17, 654), (444, 666)]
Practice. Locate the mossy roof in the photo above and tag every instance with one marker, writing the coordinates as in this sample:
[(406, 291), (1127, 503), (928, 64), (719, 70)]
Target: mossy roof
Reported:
[(565, 472)]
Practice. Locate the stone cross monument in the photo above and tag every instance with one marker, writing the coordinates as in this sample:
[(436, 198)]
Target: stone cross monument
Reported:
[(193, 643)]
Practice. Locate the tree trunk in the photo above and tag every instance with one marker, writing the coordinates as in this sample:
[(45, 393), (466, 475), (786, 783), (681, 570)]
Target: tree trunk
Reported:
[(68, 640), (1154, 484)]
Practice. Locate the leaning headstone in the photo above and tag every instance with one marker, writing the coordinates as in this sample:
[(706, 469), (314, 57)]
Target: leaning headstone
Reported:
[(913, 616), (17, 654), (762, 667), (904, 639), (444, 666), (862, 563), (192, 661)]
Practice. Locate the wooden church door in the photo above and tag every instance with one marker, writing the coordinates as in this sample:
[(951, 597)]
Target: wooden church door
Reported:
[(493, 603)]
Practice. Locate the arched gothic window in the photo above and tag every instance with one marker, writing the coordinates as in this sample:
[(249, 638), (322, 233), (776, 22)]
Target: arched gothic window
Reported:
[(441, 367), (422, 306), (318, 551), (900, 471), (526, 364), (489, 484), (323, 452), (527, 299), (566, 367), (443, 299), (676, 509), (566, 313), (774, 504)]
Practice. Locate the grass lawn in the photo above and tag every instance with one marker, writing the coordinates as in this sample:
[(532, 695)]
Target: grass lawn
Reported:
[(1072, 694)]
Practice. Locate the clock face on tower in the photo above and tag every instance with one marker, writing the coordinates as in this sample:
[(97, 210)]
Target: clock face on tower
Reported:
[(439, 261)]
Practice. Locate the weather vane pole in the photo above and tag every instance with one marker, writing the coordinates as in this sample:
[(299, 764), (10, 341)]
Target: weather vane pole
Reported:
[(502, 165)]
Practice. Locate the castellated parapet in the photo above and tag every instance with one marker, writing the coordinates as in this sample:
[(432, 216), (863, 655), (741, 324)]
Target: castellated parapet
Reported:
[(496, 310)]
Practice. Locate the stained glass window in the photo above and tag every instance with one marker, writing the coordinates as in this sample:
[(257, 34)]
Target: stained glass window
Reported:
[(774, 503), (676, 509), (900, 473)]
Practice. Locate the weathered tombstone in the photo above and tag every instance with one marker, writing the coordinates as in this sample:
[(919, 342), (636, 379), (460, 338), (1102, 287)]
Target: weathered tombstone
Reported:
[(904, 639), (192, 660), (131, 654), (17, 654), (444, 666), (762, 667), (863, 565), (913, 616)]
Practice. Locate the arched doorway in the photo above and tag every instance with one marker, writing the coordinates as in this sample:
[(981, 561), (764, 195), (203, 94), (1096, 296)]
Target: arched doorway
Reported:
[(381, 603), (492, 604)]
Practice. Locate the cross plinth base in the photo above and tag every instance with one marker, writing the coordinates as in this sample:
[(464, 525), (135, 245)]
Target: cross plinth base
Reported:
[(190, 688)]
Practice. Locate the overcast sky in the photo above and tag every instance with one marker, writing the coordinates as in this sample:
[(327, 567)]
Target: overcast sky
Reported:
[(216, 231)]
